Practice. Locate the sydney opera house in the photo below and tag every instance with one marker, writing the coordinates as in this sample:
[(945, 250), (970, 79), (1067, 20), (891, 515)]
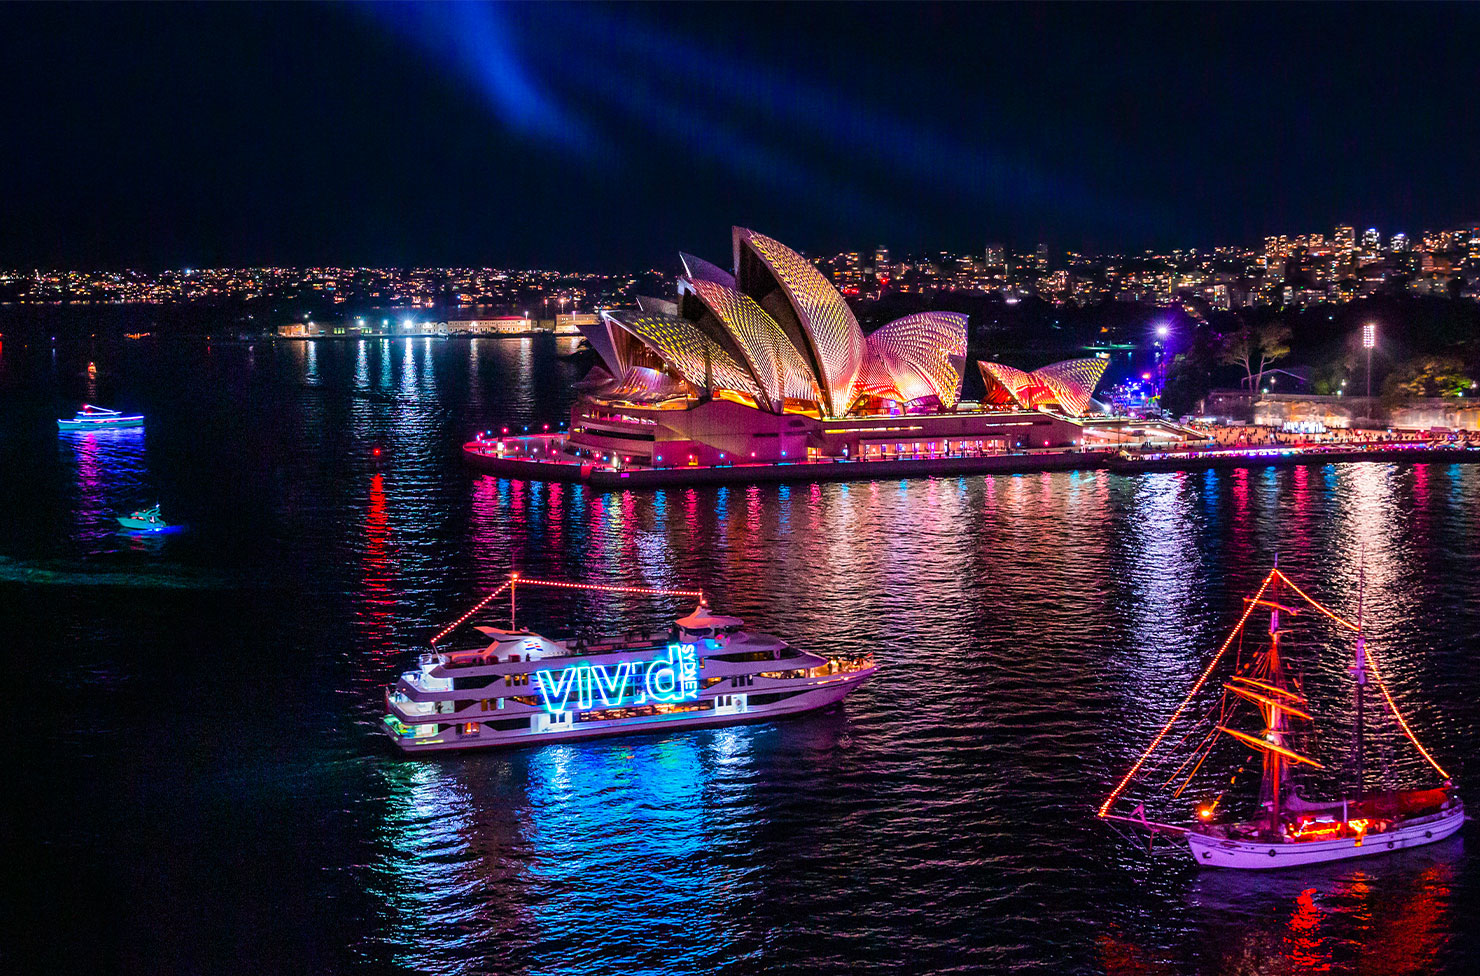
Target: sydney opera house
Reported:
[(767, 363)]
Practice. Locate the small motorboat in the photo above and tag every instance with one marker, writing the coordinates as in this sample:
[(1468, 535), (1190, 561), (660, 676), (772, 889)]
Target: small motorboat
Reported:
[(145, 520), (99, 418)]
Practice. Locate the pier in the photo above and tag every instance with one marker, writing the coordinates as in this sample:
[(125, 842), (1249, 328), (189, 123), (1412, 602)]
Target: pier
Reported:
[(539, 457)]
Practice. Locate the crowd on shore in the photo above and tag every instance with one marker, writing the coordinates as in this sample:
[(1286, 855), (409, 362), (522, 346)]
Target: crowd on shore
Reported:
[(1251, 435)]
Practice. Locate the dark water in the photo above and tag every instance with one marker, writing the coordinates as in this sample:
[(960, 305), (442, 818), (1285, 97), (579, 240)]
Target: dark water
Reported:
[(195, 784)]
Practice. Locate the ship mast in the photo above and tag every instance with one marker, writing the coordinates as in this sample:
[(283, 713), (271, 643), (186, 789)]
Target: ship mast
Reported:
[(1273, 761), (1359, 670)]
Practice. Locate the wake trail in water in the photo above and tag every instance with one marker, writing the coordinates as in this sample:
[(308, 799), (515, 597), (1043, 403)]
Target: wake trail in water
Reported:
[(71, 574)]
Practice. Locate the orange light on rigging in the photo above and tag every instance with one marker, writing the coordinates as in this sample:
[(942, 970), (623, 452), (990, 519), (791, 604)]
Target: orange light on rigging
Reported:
[(1372, 669), (1267, 746), (1202, 679), (1266, 700)]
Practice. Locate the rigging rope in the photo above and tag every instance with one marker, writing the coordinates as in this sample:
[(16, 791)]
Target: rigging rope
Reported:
[(1372, 668), (460, 620), (1125, 781)]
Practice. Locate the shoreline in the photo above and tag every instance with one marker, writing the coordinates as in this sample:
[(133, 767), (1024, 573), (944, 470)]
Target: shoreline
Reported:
[(526, 469)]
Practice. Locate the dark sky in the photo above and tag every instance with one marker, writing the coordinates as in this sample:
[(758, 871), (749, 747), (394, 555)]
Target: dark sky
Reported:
[(610, 137)]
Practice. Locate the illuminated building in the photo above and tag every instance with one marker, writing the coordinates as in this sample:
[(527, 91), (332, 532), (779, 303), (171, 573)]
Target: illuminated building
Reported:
[(1067, 385), (569, 324), (1371, 240), (777, 336), (1344, 240), (767, 363)]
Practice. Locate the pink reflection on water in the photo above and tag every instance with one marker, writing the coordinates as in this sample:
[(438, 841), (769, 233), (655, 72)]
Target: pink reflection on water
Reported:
[(554, 517), (377, 574)]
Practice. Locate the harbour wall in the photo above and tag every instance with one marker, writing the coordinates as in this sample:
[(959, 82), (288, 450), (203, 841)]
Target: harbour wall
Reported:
[(605, 478)]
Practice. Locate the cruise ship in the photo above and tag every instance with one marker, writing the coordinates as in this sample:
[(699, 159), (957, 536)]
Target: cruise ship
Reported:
[(516, 687)]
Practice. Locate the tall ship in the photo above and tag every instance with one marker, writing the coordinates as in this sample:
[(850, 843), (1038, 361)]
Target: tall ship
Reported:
[(511, 686), (1260, 718)]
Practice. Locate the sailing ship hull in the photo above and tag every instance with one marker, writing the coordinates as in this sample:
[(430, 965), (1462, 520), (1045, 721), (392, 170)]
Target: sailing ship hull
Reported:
[(1220, 852)]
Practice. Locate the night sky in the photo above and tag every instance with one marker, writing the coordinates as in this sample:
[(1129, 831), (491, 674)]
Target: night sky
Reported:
[(607, 138)]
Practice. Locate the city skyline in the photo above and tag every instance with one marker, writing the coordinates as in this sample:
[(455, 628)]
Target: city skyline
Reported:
[(1287, 269), (399, 136)]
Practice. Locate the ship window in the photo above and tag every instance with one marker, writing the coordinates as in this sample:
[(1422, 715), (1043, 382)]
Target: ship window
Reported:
[(768, 698), (504, 724), (740, 657)]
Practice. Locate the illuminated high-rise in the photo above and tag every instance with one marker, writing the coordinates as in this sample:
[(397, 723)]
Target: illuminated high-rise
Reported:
[(1344, 240), (882, 268)]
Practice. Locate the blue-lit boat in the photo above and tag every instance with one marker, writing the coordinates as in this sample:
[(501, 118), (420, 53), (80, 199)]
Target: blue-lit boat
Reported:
[(145, 520), (518, 688), (100, 418)]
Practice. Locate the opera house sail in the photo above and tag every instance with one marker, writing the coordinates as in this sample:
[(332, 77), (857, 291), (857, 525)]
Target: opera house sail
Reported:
[(1067, 385), (767, 362)]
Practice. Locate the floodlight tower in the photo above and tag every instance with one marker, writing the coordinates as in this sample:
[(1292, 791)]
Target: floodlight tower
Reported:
[(1162, 331), (1369, 339)]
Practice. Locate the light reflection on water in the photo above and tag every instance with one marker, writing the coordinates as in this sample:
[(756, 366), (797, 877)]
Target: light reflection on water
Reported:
[(1033, 633)]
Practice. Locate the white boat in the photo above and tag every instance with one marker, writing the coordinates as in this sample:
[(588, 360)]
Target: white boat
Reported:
[(1333, 835), (1288, 830), (515, 687)]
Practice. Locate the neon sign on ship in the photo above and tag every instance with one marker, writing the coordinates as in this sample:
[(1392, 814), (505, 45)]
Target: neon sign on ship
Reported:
[(669, 679)]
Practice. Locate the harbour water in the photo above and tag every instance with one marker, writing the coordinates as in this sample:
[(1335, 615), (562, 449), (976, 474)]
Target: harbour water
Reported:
[(196, 784)]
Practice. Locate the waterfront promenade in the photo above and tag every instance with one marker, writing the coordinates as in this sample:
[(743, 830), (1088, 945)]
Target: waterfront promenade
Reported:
[(538, 457)]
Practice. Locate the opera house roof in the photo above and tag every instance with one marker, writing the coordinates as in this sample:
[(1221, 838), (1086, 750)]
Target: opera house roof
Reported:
[(1067, 385), (775, 334)]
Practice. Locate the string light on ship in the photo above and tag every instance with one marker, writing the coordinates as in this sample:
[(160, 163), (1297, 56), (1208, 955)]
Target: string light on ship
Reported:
[(515, 580), (464, 618)]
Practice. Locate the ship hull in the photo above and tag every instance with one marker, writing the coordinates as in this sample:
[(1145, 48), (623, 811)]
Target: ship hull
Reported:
[(101, 424), (450, 740), (140, 525), (1218, 852)]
